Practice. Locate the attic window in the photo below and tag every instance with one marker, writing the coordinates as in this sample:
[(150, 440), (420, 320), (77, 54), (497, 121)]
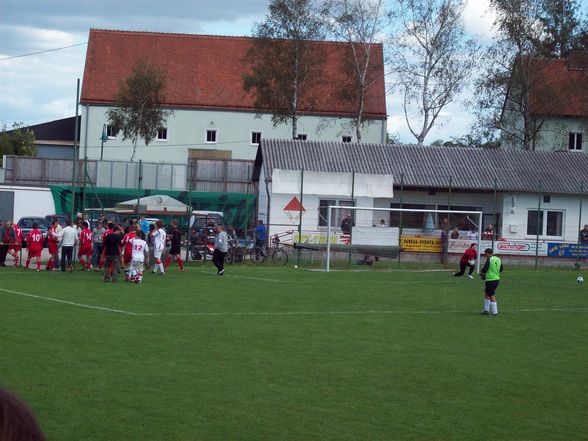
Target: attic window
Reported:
[(575, 141), (111, 132), (255, 137), (302, 136), (211, 136), (346, 138), (162, 134)]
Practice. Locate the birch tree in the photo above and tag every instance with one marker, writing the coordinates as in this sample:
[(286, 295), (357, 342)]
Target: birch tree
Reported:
[(432, 59), (360, 23)]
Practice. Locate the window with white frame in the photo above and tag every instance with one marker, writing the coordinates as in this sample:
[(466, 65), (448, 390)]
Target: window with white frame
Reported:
[(545, 223), (162, 134), (211, 136), (575, 141), (111, 132), (346, 138), (337, 215), (255, 137), (302, 136)]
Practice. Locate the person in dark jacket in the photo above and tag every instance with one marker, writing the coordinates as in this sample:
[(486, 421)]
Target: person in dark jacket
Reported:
[(176, 247), (7, 237)]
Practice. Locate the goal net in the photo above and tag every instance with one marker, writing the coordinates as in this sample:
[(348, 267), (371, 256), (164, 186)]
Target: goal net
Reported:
[(365, 235)]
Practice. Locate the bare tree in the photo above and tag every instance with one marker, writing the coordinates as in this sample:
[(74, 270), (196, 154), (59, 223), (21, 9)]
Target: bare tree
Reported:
[(432, 59), (284, 61), (360, 23), (138, 111)]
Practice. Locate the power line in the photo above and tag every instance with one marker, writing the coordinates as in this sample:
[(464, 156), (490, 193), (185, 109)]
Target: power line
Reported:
[(42, 52)]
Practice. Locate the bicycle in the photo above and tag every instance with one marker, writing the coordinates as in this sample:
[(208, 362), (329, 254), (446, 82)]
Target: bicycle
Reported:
[(275, 252)]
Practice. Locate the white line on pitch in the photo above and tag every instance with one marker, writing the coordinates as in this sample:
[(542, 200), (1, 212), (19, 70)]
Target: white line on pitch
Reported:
[(294, 313), (81, 305), (278, 313)]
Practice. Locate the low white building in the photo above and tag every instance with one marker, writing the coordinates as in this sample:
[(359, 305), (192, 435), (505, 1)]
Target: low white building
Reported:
[(510, 187)]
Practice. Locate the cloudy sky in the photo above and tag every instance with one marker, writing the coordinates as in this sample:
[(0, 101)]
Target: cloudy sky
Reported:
[(42, 87)]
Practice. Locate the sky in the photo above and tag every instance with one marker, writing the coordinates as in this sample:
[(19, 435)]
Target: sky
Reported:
[(42, 87)]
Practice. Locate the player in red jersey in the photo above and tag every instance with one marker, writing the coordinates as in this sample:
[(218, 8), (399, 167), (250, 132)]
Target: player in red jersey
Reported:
[(128, 249), (52, 245), (35, 246), (16, 245), (85, 253)]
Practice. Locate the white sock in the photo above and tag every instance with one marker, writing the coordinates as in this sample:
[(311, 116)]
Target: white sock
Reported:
[(494, 307), (161, 268), (486, 305), (133, 273)]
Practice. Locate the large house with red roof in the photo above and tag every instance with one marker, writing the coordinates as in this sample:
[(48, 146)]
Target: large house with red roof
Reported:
[(557, 98), (213, 116)]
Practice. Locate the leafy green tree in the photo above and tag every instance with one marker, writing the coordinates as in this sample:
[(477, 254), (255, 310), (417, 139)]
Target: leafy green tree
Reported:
[(19, 140), (512, 94), (138, 111), (284, 62)]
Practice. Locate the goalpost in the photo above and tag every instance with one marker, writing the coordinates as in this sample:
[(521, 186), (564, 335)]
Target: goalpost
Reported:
[(417, 233)]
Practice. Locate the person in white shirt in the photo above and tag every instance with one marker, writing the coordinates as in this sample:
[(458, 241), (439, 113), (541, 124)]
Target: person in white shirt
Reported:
[(221, 247), (139, 250), (159, 238), (69, 239)]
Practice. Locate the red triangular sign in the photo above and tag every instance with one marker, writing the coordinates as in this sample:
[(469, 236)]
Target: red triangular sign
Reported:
[(294, 205)]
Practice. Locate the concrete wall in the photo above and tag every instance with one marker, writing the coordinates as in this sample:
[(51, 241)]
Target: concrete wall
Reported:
[(186, 129), (515, 214)]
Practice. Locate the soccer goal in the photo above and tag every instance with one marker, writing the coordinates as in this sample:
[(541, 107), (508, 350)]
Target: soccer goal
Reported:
[(362, 235)]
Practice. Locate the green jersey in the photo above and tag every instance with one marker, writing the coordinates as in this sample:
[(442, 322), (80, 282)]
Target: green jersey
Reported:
[(492, 268)]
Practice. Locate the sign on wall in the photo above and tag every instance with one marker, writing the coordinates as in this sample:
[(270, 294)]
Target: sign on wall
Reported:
[(294, 210)]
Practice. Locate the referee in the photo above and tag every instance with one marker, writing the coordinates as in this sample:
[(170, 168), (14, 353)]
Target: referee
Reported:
[(491, 274)]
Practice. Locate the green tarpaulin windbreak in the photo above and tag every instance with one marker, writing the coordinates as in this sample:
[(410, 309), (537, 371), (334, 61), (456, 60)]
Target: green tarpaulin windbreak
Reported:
[(238, 208)]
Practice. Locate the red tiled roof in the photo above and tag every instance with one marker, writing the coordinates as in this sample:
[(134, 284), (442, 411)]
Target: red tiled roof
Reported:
[(205, 71), (560, 88)]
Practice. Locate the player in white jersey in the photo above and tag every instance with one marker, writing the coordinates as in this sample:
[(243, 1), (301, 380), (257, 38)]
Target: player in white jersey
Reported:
[(139, 249), (159, 238)]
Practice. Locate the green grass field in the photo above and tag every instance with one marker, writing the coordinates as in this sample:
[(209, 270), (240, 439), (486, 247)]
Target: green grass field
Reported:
[(268, 353)]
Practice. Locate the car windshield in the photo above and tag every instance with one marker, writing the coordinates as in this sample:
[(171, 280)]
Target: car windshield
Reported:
[(28, 223)]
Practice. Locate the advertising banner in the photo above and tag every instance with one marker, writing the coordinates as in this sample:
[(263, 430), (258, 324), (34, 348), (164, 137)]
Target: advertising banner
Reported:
[(576, 250), (504, 247), (422, 244)]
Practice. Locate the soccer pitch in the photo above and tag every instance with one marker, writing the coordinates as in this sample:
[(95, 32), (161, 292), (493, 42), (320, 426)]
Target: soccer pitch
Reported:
[(267, 353)]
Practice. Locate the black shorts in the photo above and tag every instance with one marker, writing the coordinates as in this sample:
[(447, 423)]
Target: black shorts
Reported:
[(491, 287), (175, 250)]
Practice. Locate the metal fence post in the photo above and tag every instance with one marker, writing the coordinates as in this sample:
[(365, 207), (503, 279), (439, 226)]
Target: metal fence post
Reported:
[(539, 227), (139, 179), (580, 224), (400, 216), (300, 214)]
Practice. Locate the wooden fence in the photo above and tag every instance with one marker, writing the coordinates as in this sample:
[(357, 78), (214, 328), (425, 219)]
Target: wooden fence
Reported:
[(205, 175)]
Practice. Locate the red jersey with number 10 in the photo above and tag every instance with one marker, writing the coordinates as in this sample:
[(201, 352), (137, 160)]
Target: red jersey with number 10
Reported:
[(35, 240)]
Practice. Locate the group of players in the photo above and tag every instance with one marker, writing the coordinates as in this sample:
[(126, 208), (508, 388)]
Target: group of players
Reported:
[(118, 244)]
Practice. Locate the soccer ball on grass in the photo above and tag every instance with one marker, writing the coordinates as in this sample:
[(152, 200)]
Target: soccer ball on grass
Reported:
[(580, 279)]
